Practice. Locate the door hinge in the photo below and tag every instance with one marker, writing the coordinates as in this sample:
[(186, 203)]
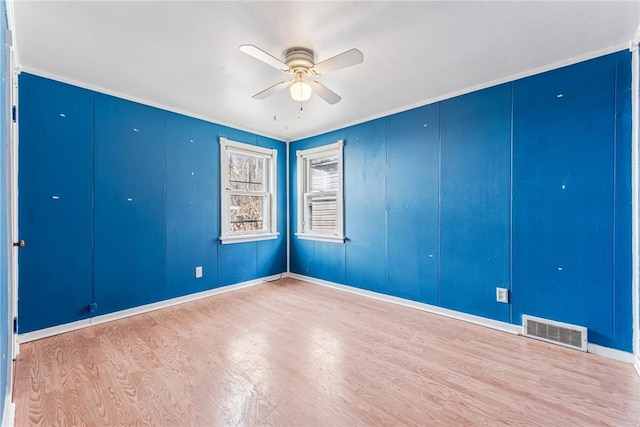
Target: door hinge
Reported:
[(15, 325), (14, 113), (93, 307)]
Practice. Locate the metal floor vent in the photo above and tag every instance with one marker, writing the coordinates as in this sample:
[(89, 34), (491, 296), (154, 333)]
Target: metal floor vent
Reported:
[(555, 332)]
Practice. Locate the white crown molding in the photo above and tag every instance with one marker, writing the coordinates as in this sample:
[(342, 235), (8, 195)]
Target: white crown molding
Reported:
[(636, 40), (127, 97), (475, 88), (11, 23)]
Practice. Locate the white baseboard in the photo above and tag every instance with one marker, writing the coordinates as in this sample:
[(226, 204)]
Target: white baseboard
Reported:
[(68, 327), (610, 353), (470, 318), (9, 415)]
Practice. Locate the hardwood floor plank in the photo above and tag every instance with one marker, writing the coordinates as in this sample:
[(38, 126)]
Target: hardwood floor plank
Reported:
[(292, 353)]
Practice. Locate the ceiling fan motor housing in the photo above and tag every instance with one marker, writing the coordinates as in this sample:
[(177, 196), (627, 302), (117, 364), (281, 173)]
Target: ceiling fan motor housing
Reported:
[(299, 59)]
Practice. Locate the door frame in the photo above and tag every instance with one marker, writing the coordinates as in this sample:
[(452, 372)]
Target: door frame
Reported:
[(11, 186), (12, 200), (635, 192)]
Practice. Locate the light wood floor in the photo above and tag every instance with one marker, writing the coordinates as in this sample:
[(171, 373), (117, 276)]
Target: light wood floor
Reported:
[(291, 353)]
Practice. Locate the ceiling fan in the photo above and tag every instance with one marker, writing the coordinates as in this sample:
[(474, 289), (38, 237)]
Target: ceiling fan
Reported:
[(299, 62)]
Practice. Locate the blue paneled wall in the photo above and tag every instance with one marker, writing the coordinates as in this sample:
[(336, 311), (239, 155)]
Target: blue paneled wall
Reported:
[(128, 171), (366, 159), (119, 202), (55, 204), (474, 201), (192, 208), (412, 201), (525, 185), (564, 208)]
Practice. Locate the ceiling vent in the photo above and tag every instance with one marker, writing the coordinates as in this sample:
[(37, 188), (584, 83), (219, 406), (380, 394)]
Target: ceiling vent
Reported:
[(564, 334)]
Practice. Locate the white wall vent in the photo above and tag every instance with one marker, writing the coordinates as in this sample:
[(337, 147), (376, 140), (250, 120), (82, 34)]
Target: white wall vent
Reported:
[(564, 334)]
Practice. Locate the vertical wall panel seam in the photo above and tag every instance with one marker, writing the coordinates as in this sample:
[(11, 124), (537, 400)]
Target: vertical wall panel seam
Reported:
[(93, 201), (287, 207), (613, 192), (386, 206), (511, 142), (439, 189), (164, 205)]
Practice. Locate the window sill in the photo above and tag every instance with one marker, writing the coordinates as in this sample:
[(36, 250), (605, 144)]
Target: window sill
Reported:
[(248, 238), (320, 237)]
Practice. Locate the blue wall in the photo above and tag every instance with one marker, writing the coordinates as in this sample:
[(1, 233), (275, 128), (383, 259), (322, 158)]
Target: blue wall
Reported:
[(572, 186), (119, 202), (525, 185)]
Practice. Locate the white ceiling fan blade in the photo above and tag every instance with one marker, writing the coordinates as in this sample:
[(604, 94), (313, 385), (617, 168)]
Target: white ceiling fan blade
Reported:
[(325, 93), (273, 89), (343, 60), (263, 56)]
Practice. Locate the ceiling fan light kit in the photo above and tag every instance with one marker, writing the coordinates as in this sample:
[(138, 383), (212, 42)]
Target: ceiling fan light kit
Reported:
[(300, 63), (300, 91)]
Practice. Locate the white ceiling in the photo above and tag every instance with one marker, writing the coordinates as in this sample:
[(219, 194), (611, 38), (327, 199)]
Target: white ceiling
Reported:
[(183, 56)]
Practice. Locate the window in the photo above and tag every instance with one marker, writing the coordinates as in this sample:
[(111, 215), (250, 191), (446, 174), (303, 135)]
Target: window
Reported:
[(248, 192), (320, 203)]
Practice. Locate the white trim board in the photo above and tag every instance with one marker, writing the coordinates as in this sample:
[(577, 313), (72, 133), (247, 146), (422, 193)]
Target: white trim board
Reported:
[(637, 365), (470, 318), (105, 91), (610, 353), (475, 88), (505, 79), (68, 327), (9, 415), (11, 24)]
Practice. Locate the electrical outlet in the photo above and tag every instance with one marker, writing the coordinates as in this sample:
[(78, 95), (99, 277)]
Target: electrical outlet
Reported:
[(198, 272), (502, 295)]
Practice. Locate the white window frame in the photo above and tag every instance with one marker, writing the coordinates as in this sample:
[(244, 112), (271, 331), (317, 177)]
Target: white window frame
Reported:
[(269, 216), (303, 194)]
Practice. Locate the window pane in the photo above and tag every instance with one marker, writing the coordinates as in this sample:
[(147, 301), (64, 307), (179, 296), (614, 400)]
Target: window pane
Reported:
[(246, 213), (323, 174), (246, 172), (324, 214)]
